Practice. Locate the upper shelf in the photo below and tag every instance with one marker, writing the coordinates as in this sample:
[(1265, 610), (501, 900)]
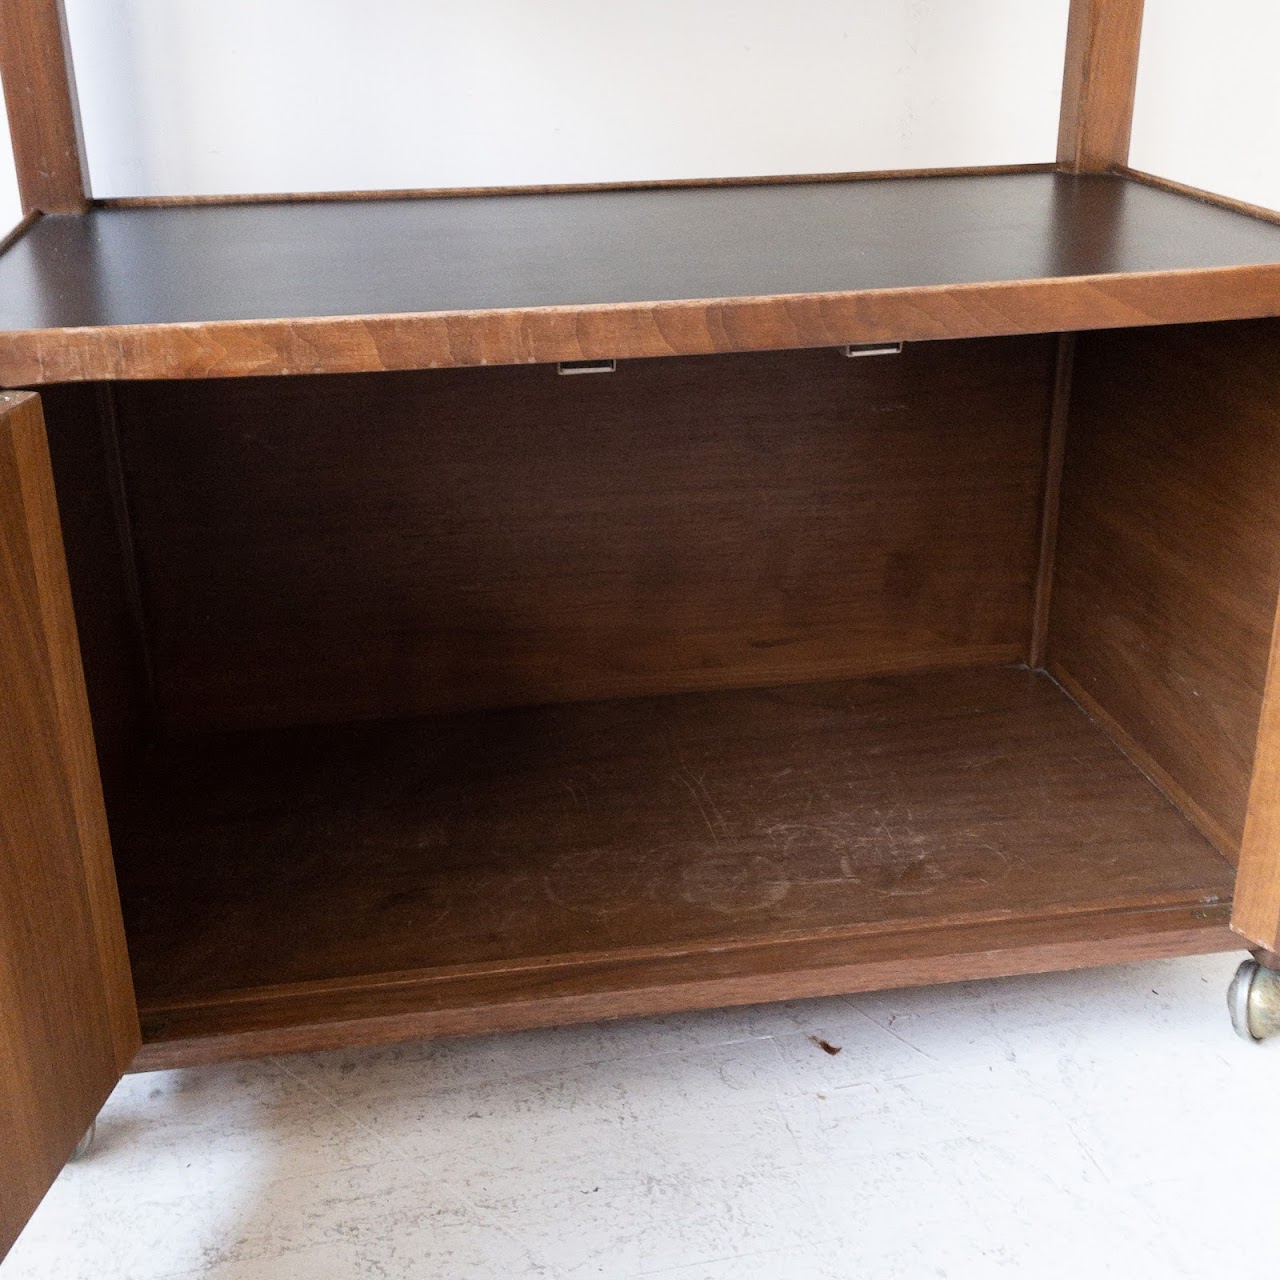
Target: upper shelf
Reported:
[(360, 285)]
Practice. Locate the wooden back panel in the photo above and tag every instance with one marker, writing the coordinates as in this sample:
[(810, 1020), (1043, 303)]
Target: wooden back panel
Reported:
[(1169, 552), (323, 549)]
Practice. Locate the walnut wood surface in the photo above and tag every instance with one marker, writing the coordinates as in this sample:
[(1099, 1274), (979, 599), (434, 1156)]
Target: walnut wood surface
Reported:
[(1098, 84), (1257, 909), (485, 849), (1169, 552), (324, 549), (349, 287), (67, 1018), (39, 92), (293, 1021), (564, 188)]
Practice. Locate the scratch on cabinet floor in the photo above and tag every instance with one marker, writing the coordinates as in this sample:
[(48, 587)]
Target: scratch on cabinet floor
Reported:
[(982, 761), (697, 788)]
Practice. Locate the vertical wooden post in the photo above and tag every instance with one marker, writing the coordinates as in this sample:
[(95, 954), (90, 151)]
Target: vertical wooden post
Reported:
[(1098, 84), (39, 93), (1038, 650)]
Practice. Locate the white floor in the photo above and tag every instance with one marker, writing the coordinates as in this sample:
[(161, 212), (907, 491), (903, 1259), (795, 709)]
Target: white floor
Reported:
[(1075, 1125)]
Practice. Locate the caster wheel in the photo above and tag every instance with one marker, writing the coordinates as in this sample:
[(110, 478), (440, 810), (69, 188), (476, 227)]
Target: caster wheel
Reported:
[(1254, 1001), (85, 1144)]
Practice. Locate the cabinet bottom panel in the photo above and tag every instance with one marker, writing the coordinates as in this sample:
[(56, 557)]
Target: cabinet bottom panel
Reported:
[(306, 888)]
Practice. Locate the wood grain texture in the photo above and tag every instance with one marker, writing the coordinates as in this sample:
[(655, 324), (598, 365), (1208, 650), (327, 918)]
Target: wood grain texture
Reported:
[(352, 287), (328, 549), (1257, 909), (477, 860), (1098, 84), (1169, 552), (1186, 801), (40, 96), (565, 188), (275, 1022), (67, 1017)]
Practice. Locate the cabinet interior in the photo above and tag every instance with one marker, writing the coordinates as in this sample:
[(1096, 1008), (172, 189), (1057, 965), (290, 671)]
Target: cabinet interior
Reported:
[(474, 698)]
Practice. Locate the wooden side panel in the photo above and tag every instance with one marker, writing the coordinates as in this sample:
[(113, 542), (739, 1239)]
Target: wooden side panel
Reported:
[(1256, 912), (1098, 83), (39, 92), (68, 1021), (343, 548), (1169, 553)]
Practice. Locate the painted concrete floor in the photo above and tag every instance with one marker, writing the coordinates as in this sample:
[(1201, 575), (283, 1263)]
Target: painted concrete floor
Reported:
[(1095, 1124)]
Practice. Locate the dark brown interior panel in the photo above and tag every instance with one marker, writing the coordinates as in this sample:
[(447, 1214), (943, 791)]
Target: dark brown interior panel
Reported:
[(91, 509), (328, 549), (1169, 552), (487, 844), (413, 646)]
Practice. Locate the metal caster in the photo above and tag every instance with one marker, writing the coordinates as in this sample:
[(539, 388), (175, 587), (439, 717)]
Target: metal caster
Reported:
[(1254, 1001), (85, 1143)]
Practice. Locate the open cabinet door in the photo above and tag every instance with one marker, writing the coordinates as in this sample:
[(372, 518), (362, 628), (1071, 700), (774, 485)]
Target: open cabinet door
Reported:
[(68, 1022)]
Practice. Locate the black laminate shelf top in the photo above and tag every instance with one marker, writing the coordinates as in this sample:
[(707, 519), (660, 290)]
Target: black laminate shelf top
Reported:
[(147, 266)]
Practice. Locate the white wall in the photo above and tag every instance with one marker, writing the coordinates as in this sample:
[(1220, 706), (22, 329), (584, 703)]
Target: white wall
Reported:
[(214, 96), (191, 96), (1208, 108)]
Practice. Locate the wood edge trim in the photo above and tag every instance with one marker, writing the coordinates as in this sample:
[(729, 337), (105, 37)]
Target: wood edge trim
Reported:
[(1152, 934), (15, 400), (1141, 758), (1197, 193), (571, 188), (638, 957), (1051, 501), (629, 330)]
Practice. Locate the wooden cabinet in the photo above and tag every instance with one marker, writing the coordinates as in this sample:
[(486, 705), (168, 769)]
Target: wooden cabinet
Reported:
[(433, 691)]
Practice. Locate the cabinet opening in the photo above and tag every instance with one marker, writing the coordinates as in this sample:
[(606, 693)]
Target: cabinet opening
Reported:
[(469, 699)]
